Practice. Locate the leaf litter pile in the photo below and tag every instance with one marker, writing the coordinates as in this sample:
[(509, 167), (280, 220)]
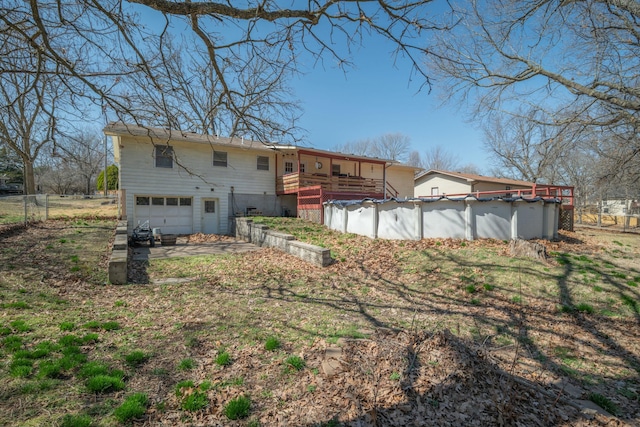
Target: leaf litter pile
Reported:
[(393, 333)]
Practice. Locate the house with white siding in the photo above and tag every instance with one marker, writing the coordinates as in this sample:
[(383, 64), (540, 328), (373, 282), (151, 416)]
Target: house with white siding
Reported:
[(441, 183), (183, 182)]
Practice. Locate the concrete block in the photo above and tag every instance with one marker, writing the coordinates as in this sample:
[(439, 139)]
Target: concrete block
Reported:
[(258, 232), (310, 253), (118, 267), (120, 242), (243, 229), (276, 239), (121, 227)]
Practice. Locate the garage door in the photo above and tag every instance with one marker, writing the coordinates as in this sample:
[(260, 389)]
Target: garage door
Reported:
[(171, 214)]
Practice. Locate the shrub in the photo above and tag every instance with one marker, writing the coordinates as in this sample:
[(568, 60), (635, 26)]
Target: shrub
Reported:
[(223, 359), (237, 408), (104, 383), (133, 407), (76, 421), (272, 344)]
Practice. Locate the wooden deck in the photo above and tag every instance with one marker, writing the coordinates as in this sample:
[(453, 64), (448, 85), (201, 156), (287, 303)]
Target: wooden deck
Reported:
[(292, 182)]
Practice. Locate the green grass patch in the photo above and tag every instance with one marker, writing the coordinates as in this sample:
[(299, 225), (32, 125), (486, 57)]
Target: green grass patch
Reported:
[(603, 402), (133, 407), (67, 326), (238, 408), (136, 358), (20, 305), (79, 420), (271, 344), (295, 362), (105, 384), (110, 326), (585, 308), (12, 343), (223, 359), (186, 364), (20, 326)]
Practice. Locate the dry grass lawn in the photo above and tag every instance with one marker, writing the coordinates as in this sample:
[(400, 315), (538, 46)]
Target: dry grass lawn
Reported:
[(435, 332)]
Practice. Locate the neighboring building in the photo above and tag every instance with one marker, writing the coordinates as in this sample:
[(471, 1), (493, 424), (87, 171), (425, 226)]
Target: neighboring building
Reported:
[(435, 184), (6, 187), (184, 182), (441, 183)]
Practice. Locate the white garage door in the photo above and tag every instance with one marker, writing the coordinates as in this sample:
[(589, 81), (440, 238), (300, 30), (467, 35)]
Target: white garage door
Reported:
[(171, 214)]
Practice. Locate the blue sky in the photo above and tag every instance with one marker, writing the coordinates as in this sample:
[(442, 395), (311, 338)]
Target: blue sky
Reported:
[(375, 97), (372, 98)]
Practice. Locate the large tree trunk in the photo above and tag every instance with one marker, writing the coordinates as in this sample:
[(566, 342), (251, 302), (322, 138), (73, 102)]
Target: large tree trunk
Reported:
[(29, 177)]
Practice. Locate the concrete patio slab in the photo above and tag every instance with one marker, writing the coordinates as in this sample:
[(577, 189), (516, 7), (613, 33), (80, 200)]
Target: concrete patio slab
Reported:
[(184, 249)]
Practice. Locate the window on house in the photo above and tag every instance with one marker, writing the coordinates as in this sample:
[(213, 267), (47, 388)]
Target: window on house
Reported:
[(508, 195), (157, 201), (220, 158), (209, 206), (435, 191), (164, 156), (335, 170), (142, 201), (185, 201), (288, 167), (172, 201), (302, 168), (263, 163)]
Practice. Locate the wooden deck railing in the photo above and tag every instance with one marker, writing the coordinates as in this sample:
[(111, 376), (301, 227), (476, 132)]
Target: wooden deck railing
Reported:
[(564, 193), (290, 183)]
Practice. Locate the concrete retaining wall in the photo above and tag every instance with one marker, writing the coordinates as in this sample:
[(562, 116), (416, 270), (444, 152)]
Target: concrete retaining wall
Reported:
[(260, 235), (467, 218), (119, 256)]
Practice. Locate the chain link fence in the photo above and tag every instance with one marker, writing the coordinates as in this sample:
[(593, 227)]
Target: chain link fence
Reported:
[(41, 207), (594, 216)]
